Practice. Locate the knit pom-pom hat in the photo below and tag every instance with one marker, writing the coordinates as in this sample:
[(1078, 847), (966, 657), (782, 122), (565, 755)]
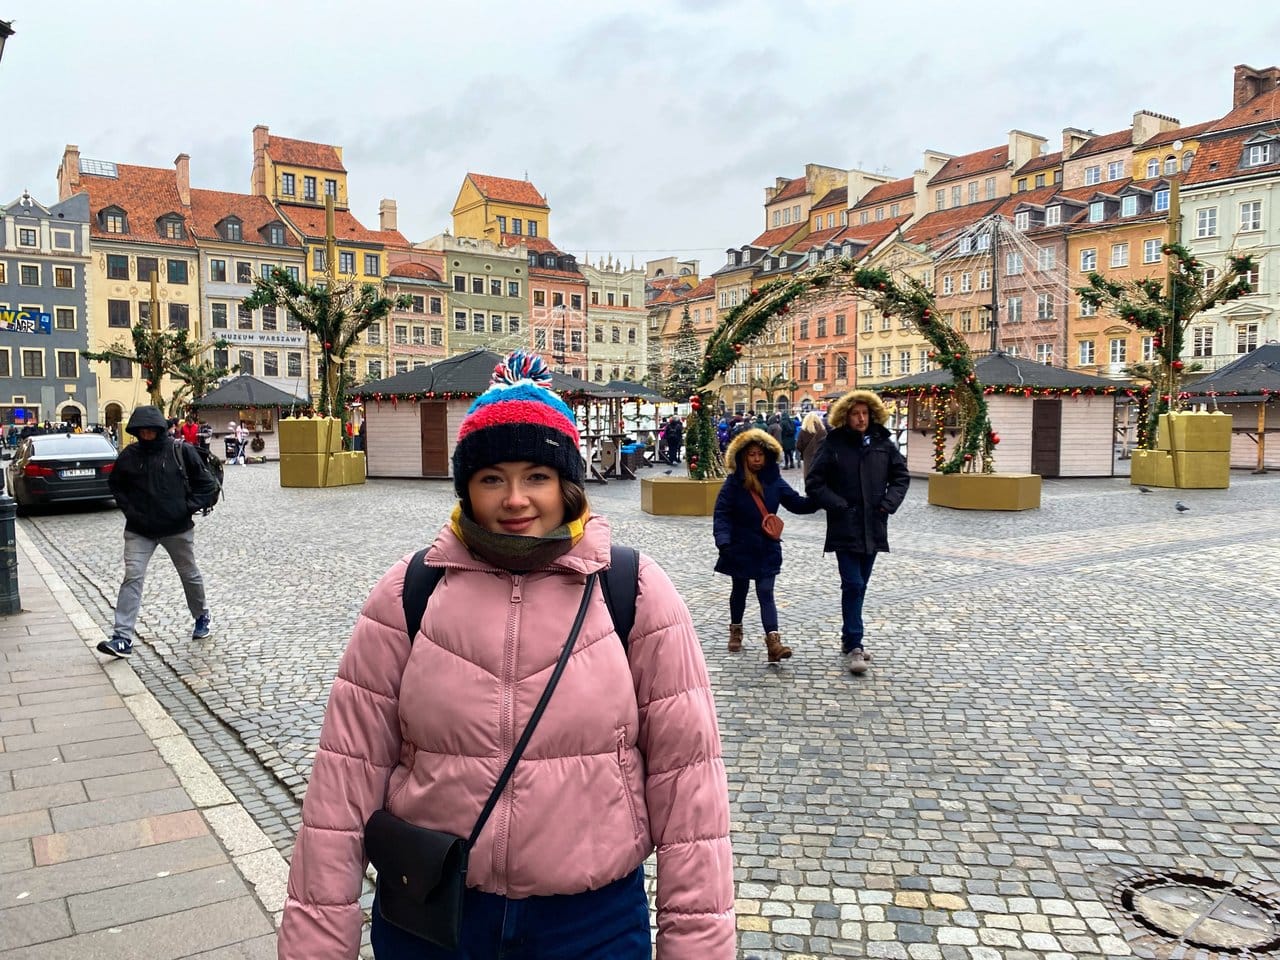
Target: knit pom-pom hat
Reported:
[(518, 418)]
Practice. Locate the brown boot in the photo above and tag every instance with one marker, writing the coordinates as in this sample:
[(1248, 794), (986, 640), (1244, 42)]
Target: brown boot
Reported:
[(776, 648), (735, 637)]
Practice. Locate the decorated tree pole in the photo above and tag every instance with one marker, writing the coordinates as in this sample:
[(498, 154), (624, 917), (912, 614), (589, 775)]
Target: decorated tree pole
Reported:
[(911, 301), (163, 353), (1165, 310), (335, 313)]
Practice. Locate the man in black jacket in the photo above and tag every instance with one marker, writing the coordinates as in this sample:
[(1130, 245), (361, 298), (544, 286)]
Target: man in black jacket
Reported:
[(860, 478), (159, 483)]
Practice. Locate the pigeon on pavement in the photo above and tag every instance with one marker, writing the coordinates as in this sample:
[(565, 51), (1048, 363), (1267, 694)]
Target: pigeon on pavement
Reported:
[(1181, 507), (1144, 489)]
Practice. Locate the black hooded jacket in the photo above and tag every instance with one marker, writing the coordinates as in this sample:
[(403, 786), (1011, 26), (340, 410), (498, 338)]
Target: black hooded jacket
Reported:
[(860, 479), (148, 484)]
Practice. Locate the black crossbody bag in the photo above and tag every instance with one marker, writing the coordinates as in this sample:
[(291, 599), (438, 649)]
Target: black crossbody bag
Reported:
[(422, 873)]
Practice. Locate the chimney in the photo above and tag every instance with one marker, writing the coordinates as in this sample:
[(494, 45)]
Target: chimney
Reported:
[(258, 179), (1147, 124), (1073, 139), (862, 182), (69, 172), (182, 169), (387, 215), (1023, 148), (1249, 82)]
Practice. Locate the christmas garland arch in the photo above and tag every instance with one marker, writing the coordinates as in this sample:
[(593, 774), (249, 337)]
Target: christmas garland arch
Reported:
[(909, 300)]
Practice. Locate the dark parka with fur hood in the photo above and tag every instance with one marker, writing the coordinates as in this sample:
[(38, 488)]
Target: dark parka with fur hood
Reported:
[(751, 554), (859, 479), (148, 486)]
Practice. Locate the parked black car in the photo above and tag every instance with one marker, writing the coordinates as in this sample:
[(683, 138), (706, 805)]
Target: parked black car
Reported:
[(61, 467)]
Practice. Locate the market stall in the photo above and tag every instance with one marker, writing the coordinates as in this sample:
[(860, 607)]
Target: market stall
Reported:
[(254, 404)]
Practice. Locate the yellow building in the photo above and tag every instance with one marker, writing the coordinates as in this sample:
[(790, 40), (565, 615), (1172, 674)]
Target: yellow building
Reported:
[(297, 176), (500, 210)]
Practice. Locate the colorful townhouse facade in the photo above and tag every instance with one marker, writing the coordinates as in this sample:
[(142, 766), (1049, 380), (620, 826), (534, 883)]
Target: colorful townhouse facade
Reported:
[(417, 335), (44, 313), (500, 210), (616, 318), (557, 307), (488, 293)]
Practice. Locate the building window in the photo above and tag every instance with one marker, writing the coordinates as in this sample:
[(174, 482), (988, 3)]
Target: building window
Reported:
[(26, 237), (275, 235), (346, 262), (1153, 167), (948, 284), (1053, 216), (118, 313), (1045, 258), (886, 363), (1202, 342), (1118, 350), (269, 317), (1207, 222), (1092, 175), (63, 277), (177, 271), (117, 267), (939, 202), (1160, 200), (904, 361), (308, 193), (172, 228), (1115, 170), (1246, 339), (64, 318), (517, 226), (372, 265), (477, 285), (1044, 306), (1258, 154), (1086, 353), (1013, 310), (1039, 180), (218, 314), (459, 320), (821, 325), (1119, 254), (477, 323), (436, 336), (218, 271), (373, 369), (1044, 353), (32, 363), (1088, 259), (179, 316), (1128, 205), (984, 279), (246, 362), (533, 228), (120, 369), (966, 282), (288, 184), (1251, 215), (1208, 276), (991, 188), (966, 321), (1013, 264), (1097, 211), (1021, 220), (331, 188), (402, 331), (1087, 309), (513, 324), (66, 361), (293, 364), (373, 333), (1148, 349)]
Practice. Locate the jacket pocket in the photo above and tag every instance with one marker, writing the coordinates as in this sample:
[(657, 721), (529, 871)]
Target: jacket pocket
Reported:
[(623, 766), (394, 792)]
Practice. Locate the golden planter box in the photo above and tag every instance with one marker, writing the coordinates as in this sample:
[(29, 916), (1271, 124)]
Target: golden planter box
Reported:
[(985, 491), (1151, 468), (310, 435), (310, 470), (353, 466), (1202, 469), (1201, 431), (679, 496)]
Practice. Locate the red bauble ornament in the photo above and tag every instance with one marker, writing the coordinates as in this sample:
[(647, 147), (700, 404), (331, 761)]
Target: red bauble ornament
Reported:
[(1177, 364), (927, 314), (995, 439), (737, 348), (968, 457)]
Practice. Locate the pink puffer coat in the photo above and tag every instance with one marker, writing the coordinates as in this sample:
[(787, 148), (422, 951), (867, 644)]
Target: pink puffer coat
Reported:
[(626, 757)]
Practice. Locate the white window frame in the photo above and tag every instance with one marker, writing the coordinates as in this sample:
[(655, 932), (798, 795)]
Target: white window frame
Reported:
[(1046, 259), (1013, 310), (1097, 211), (948, 284), (1118, 350), (1206, 222), (1120, 254), (1153, 167), (1087, 353), (1044, 306), (1129, 205), (966, 282), (22, 360), (1021, 220), (1092, 175), (75, 359), (1115, 170), (1044, 353), (1088, 309), (1088, 259), (1259, 155), (1053, 215), (1250, 216), (1160, 200), (1151, 250)]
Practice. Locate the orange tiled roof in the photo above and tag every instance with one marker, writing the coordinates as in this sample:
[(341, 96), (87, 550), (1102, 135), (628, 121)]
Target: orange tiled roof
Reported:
[(817, 239), (145, 194), (1219, 159), (1181, 133), (417, 271), (393, 239), (552, 274), (706, 288), (667, 296), (796, 188), (532, 244), (837, 197), (1104, 143), (943, 225), (1042, 162), (508, 191), (1264, 108), (771, 238), (894, 190), (1040, 195), (874, 231), (210, 207), (346, 228), (972, 164), (304, 153)]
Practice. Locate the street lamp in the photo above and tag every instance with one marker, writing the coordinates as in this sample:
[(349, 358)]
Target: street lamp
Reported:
[(6, 31)]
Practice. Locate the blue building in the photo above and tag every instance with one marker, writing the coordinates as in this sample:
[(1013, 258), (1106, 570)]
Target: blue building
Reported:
[(44, 305)]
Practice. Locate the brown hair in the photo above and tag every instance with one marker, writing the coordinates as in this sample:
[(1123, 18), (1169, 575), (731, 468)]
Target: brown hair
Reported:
[(751, 480)]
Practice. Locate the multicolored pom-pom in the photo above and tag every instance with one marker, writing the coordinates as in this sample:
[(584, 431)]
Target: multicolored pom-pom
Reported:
[(518, 366)]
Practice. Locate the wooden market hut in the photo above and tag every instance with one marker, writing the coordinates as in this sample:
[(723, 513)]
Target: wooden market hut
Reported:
[(1248, 388), (1052, 422), (254, 403), (412, 418)]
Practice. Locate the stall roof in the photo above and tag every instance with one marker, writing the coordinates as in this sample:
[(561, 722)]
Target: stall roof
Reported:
[(249, 391), (633, 391), (1252, 378), (1002, 370), (467, 374)]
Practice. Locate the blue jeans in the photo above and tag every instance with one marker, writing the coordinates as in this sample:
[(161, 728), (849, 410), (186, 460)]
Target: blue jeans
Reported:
[(611, 923), (764, 593), (855, 572)]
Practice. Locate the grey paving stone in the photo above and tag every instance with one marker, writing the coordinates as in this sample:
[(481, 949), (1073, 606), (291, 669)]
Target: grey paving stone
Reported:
[(85, 734), (127, 784), (38, 798), (33, 923), (78, 816), (118, 906), (20, 826)]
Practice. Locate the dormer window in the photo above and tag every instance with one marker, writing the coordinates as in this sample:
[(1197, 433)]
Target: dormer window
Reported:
[(1259, 154), (984, 241), (1021, 220), (1097, 211), (1053, 216), (848, 250), (966, 244), (230, 229), (1186, 160), (813, 257), (1160, 200), (829, 253), (549, 260), (172, 228), (275, 234), (768, 263), (1129, 206), (113, 220), (533, 259)]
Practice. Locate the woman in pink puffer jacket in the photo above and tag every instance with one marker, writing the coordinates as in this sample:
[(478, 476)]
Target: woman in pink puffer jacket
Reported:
[(626, 757)]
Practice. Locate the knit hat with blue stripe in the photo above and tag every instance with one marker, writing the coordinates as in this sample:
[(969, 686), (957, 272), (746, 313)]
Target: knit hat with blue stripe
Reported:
[(518, 418)]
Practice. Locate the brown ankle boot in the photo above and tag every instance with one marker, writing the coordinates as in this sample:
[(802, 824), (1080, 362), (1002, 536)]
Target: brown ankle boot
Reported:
[(735, 637), (776, 648)]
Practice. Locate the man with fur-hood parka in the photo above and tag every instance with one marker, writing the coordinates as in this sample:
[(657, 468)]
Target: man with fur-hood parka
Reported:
[(859, 478), (747, 553)]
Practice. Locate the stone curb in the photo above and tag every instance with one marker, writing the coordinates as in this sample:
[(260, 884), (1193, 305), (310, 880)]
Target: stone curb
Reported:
[(251, 851)]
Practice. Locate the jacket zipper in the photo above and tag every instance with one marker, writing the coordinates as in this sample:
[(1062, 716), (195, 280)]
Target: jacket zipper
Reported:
[(626, 783), (507, 725)]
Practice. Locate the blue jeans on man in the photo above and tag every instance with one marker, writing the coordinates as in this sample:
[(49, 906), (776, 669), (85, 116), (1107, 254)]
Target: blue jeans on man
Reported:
[(855, 572)]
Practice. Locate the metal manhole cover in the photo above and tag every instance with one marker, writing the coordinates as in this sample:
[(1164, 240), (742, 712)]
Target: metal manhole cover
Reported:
[(1203, 912)]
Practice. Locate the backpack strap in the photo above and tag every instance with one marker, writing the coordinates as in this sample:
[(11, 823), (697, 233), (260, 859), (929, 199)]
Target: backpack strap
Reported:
[(620, 584)]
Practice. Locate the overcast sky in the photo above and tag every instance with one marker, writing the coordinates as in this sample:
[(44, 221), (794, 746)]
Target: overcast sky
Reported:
[(651, 127)]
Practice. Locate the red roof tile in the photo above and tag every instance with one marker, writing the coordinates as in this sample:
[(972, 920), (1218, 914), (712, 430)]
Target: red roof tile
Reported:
[(816, 239), (508, 191), (393, 239), (796, 188), (771, 238), (1264, 108), (972, 164), (1040, 195), (1043, 162), (706, 288), (551, 274), (417, 271), (532, 244), (943, 225), (145, 194), (346, 228), (304, 153), (894, 190), (874, 231), (210, 207), (1104, 143), (839, 197), (1219, 159), (1181, 133)]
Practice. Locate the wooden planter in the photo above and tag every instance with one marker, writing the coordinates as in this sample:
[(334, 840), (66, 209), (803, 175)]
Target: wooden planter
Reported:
[(679, 496), (985, 491)]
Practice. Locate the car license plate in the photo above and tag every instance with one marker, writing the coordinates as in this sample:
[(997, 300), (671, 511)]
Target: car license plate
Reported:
[(70, 474)]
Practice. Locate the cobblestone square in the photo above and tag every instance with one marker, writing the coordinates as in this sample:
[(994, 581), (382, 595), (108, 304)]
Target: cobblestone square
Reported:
[(1059, 699)]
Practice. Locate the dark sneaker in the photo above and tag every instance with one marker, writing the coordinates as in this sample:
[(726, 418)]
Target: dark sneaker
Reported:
[(855, 661), (201, 630), (118, 647)]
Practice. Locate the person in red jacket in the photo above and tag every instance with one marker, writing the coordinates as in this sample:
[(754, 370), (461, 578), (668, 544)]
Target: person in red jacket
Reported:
[(191, 430), (423, 717)]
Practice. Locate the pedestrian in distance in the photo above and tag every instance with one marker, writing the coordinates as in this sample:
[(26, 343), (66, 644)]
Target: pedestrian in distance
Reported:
[(812, 432), (789, 428), (749, 553), (675, 438), (237, 433), (159, 483), (190, 429), (419, 730), (860, 479)]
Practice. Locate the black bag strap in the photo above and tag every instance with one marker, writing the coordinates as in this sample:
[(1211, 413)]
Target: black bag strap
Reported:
[(537, 713), (619, 587)]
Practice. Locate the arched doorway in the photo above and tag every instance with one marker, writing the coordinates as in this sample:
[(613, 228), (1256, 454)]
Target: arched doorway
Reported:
[(71, 414), (113, 414)]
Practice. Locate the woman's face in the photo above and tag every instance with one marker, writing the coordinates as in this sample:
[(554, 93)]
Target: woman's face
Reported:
[(755, 458), (518, 498)]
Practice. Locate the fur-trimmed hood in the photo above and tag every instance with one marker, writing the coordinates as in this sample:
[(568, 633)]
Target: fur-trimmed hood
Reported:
[(838, 414), (772, 448)]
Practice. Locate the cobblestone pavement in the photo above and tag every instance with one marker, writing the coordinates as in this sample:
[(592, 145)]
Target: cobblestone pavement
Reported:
[(1059, 699)]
